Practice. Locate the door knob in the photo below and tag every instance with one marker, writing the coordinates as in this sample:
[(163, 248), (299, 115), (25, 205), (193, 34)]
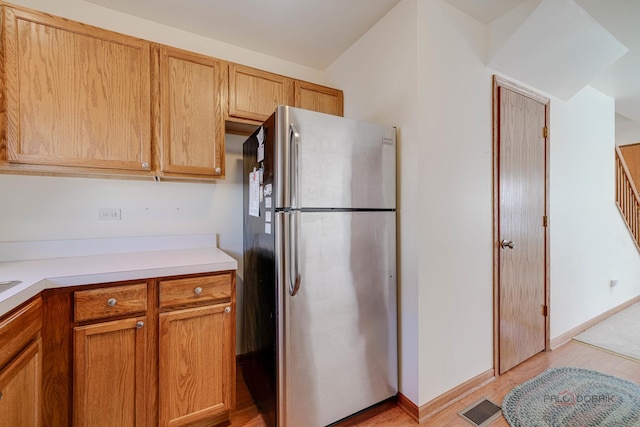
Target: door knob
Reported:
[(507, 244)]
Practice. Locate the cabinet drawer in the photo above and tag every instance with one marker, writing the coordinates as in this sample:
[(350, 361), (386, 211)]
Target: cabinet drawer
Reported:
[(109, 302), (195, 290)]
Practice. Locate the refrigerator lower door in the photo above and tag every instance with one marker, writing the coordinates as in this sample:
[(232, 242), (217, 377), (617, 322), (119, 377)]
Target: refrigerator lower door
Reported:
[(339, 329)]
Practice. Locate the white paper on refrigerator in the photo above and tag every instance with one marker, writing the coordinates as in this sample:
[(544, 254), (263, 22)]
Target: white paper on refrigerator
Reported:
[(254, 194)]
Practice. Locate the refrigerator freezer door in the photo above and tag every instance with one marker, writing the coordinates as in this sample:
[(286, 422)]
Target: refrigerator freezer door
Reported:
[(341, 163), (340, 336)]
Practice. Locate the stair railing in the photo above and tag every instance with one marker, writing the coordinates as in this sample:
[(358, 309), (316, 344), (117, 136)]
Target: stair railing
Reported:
[(627, 198)]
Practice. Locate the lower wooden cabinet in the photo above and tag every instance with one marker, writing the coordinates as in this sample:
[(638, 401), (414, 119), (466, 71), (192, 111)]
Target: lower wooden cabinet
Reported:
[(140, 353), (21, 366), (109, 368), (196, 365), (20, 388)]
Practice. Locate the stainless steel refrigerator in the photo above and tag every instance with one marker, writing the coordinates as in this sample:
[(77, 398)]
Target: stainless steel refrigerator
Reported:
[(319, 296)]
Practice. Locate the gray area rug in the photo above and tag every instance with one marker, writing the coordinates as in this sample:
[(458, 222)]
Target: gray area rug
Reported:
[(619, 333), (572, 397)]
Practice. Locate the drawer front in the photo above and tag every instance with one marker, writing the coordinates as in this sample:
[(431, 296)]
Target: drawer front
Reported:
[(109, 302), (192, 290)]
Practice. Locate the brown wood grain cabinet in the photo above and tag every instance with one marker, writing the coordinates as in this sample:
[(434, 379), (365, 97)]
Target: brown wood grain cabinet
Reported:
[(109, 361), (196, 361), (159, 351), (20, 388), (191, 140), (318, 98), (197, 350), (21, 366), (109, 356), (82, 100), (255, 94), (76, 95)]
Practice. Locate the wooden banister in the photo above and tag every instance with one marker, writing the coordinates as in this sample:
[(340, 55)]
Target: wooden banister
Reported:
[(627, 198)]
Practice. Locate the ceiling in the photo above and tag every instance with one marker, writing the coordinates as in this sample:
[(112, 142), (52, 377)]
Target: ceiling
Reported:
[(618, 17), (316, 32), (308, 32)]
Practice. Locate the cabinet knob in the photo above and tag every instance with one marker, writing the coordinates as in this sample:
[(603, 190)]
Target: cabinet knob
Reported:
[(145, 165), (198, 290), (111, 302), (139, 324), (218, 171), (227, 309)]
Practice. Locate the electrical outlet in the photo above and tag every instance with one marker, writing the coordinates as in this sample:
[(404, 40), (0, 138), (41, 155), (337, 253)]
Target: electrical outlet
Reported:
[(109, 214), (613, 283)]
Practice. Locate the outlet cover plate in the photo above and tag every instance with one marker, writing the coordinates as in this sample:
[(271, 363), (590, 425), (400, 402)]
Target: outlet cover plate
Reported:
[(109, 214)]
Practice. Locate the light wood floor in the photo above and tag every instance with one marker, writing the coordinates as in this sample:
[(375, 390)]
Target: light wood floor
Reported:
[(389, 415)]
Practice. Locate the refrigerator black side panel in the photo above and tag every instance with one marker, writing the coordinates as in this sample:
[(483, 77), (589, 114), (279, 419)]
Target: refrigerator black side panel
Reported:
[(259, 296)]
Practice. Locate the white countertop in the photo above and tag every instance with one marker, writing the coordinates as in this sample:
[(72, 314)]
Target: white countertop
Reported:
[(39, 274)]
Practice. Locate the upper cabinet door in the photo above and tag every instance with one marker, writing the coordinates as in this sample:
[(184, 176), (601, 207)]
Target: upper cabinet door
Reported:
[(76, 95), (254, 94), (318, 98), (191, 114)]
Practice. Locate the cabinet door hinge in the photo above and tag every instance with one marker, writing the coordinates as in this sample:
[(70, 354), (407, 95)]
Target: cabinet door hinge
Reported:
[(545, 221), (545, 311), (545, 132)]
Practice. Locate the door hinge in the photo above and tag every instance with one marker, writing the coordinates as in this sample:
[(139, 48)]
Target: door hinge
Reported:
[(545, 132), (545, 221), (545, 311)]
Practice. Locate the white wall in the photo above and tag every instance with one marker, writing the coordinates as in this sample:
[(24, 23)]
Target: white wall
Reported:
[(455, 176), (627, 133), (378, 76), (59, 208), (590, 244), (444, 97)]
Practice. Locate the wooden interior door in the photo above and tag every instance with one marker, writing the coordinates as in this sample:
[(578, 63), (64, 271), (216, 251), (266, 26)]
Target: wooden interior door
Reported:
[(521, 238)]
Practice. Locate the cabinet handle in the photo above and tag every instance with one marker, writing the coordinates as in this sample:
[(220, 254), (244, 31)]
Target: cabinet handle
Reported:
[(198, 290), (218, 171), (227, 309), (139, 324), (0, 395), (111, 302)]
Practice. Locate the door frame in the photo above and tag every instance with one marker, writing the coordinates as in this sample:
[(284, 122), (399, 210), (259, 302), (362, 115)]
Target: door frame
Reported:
[(499, 82)]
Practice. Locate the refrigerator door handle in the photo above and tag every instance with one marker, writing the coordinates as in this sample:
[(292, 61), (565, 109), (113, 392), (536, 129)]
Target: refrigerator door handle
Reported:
[(294, 240), (294, 140)]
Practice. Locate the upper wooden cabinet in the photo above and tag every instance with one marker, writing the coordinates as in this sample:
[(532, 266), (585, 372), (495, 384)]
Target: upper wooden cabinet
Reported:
[(84, 100), (318, 98), (254, 94), (191, 136), (76, 95)]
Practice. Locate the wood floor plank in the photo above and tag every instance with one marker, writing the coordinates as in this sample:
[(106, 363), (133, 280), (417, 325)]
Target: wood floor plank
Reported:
[(390, 415)]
